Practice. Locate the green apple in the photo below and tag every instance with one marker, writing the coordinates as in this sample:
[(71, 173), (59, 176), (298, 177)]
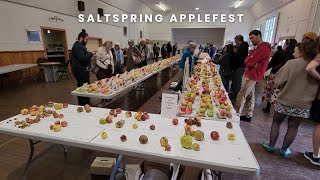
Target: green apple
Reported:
[(210, 113), (210, 106), (186, 141), (202, 110), (222, 106), (209, 101), (188, 94), (193, 95), (189, 104)]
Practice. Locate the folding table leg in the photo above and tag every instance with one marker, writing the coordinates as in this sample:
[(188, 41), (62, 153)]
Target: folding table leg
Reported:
[(115, 167), (65, 151)]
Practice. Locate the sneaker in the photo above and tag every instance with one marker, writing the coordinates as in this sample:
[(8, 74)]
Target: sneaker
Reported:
[(285, 153), (268, 147), (245, 118), (313, 160)]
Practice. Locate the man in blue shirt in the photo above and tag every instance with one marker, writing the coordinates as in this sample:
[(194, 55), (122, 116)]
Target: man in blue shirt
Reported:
[(187, 55)]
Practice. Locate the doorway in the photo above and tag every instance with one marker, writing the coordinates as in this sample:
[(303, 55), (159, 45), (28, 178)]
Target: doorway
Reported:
[(55, 44)]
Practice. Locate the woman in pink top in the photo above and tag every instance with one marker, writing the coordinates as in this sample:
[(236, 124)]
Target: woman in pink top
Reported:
[(313, 70)]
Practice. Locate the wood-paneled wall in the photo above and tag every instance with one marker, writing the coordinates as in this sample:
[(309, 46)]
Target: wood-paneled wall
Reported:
[(21, 57)]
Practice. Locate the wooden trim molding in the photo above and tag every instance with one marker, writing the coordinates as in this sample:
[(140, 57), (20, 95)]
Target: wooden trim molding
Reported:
[(17, 51)]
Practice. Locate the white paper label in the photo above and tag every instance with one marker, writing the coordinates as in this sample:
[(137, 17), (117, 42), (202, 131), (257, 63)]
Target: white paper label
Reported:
[(169, 105)]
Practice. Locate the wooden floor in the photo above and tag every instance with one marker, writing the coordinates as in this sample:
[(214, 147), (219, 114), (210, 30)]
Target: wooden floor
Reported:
[(14, 151)]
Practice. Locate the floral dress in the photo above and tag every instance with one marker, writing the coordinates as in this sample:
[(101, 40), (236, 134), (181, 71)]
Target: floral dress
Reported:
[(270, 91)]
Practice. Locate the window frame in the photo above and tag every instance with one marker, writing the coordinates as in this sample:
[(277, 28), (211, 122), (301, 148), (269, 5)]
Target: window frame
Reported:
[(270, 27)]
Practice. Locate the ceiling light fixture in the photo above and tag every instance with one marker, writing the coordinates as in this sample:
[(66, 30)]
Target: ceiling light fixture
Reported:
[(238, 4), (48, 31), (162, 7), (197, 9)]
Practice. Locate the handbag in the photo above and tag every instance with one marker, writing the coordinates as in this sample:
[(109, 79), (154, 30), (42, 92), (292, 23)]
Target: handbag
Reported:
[(136, 59)]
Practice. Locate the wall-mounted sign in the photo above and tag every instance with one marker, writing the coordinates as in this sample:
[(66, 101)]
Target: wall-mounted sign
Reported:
[(55, 19)]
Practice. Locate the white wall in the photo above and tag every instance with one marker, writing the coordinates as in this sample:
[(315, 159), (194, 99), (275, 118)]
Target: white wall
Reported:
[(163, 31), (314, 21), (201, 36), (18, 15), (293, 18)]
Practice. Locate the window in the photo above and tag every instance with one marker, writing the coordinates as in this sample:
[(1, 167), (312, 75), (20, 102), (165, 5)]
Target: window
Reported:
[(33, 35), (269, 29)]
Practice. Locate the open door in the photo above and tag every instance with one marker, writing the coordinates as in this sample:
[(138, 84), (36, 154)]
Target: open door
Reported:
[(55, 44)]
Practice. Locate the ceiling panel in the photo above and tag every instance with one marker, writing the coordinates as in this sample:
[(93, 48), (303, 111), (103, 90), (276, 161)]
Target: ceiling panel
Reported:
[(190, 5)]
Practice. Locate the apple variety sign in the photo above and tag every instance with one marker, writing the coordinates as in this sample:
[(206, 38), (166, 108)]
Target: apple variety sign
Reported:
[(169, 105)]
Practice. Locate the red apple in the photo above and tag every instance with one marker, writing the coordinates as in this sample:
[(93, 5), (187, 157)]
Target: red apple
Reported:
[(191, 99), (168, 148), (64, 124), (147, 115), (183, 108), (175, 121), (221, 101), (51, 127), (65, 105), (61, 116), (109, 119), (57, 122), (189, 110), (215, 135), (226, 103)]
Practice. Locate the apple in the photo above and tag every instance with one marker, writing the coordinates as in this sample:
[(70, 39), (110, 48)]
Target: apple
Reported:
[(33, 112), (147, 115), (189, 110), (210, 113), (175, 121), (226, 103), (215, 135), (65, 105), (57, 106), (210, 106), (24, 111), (222, 106), (57, 122), (51, 127), (41, 109), (137, 115), (202, 110), (109, 119), (57, 128), (189, 104), (191, 99), (168, 148), (164, 141), (64, 123), (128, 114), (104, 135), (144, 117), (203, 105), (184, 103), (183, 108), (61, 116), (221, 102), (188, 94), (135, 126)]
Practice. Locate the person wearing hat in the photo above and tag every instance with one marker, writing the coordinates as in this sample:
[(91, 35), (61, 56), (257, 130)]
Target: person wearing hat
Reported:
[(119, 58), (309, 37)]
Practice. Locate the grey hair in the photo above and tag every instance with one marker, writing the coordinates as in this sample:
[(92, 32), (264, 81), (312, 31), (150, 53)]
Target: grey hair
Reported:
[(131, 41), (192, 45)]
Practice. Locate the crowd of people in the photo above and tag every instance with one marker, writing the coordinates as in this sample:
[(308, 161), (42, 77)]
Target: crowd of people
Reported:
[(292, 85)]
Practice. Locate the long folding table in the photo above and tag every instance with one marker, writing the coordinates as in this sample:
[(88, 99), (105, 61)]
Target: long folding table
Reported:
[(84, 131), (18, 67)]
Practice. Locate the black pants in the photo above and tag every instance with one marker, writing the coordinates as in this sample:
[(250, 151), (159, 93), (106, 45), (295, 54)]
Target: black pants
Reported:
[(118, 69), (103, 74), (236, 82), (156, 56), (164, 56), (82, 76)]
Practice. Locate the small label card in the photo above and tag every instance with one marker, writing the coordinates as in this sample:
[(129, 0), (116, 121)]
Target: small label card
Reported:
[(169, 104)]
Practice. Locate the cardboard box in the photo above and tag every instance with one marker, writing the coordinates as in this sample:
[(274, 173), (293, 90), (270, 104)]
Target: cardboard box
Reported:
[(102, 165)]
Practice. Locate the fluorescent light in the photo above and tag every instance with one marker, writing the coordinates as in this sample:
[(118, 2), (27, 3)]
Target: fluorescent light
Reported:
[(48, 31), (162, 7), (197, 9), (238, 4)]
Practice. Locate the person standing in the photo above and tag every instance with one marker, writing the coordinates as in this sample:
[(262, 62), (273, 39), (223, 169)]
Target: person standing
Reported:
[(238, 65), (132, 52), (156, 50), (81, 63), (278, 60), (293, 102), (314, 157), (175, 49), (119, 59), (104, 61), (309, 37), (143, 51), (169, 49), (164, 51), (256, 65), (225, 66)]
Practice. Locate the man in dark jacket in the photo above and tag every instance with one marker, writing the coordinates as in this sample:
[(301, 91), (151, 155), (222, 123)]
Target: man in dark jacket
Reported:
[(169, 49), (81, 63), (238, 65)]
